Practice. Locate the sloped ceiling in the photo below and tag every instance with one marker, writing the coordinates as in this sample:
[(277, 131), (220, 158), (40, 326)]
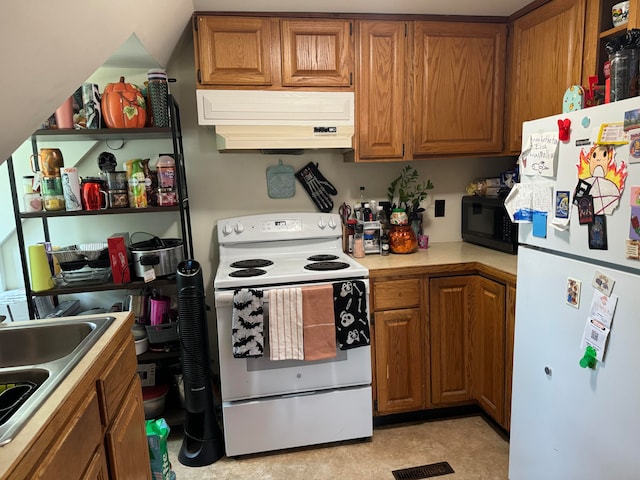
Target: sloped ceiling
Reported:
[(50, 47)]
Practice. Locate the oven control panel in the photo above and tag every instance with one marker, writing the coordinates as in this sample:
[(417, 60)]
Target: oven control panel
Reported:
[(279, 226), (284, 225)]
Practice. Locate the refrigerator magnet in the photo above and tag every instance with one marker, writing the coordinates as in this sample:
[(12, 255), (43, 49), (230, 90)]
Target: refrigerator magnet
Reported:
[(598, 233), (573, 292), (632, 249), (562, 204), (634, 196), (585, 210), (634, 227), (634, 146), (603, 283), (540, 224)]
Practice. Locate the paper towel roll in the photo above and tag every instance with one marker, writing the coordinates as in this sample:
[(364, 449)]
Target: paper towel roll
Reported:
[(39, 268)]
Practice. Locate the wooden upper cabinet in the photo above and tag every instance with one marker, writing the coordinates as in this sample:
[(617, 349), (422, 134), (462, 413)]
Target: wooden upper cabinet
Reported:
[(317, 53), (381, 90), (233, 51), (459, 87), (545, 59)]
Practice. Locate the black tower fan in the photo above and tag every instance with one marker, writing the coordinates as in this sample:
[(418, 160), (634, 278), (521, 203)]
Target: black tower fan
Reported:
[(203, 443)]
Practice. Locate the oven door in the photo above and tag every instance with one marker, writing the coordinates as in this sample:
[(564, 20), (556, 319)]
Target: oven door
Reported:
[(245, 378)]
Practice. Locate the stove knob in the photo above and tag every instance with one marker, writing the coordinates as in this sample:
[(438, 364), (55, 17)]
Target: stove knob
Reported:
[(227, 229), (239, 228), (321, 223), (332, 224)]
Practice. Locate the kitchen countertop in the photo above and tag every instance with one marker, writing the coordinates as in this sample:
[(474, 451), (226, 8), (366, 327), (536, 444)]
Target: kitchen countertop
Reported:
[(34, 429), (450, 257)]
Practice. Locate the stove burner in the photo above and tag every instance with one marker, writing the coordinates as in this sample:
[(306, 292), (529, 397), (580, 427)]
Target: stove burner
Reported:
[(251, 263), (322, 258), (326, 266), (248, 272)]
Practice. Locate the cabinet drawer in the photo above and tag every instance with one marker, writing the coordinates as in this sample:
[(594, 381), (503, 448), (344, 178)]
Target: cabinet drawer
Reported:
[(392, 294), (70, 455), (113, 384)]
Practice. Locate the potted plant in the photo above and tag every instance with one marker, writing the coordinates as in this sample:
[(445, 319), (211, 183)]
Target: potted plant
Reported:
[(406, 192)]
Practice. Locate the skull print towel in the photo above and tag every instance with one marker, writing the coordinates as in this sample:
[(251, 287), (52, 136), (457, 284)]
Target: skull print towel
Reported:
[(352, 318), (247, 323)]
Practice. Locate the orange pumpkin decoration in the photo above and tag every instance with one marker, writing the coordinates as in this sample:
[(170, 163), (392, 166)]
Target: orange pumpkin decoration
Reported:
[(123, 106)]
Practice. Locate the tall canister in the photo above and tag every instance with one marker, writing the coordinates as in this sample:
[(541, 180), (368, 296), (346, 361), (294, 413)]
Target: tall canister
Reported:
[(157, 95), (136, 183)]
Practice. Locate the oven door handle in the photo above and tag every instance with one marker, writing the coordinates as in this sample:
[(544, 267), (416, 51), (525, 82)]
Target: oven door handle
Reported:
[(225, 299)]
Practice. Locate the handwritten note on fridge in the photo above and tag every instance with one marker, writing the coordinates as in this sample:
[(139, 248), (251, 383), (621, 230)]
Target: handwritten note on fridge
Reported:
[(539, 155)]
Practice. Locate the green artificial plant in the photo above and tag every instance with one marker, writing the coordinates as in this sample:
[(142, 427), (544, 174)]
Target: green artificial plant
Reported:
[(408, 192)]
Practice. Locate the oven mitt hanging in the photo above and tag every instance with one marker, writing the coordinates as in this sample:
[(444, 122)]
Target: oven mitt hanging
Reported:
[(352, 319), (247, 323), (318, 187)]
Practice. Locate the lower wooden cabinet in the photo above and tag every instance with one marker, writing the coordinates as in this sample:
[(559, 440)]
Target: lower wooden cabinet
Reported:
[(98, 432), (487, 347), (126, 437), (443, 341), (450, 301), (399, 345)]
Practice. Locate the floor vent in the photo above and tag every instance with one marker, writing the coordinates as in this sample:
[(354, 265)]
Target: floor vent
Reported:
[(425, 471)]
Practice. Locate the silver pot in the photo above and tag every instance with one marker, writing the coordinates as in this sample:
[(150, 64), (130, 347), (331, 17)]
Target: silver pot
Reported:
[(160, 255)]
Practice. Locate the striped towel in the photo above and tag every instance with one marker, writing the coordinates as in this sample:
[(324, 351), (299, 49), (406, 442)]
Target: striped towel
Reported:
[(285, 324)]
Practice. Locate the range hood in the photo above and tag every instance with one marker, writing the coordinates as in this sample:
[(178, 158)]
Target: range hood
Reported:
[(265, 119)]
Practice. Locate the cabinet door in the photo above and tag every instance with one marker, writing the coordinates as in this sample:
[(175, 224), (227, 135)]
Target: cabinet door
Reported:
[(234, 50), (381, 90), (317, 53), (126, 440), (459, 87), (97, 469), (546, 58), (73, 452), (399, 372), (508, 351), (450, 310), (487, 342)]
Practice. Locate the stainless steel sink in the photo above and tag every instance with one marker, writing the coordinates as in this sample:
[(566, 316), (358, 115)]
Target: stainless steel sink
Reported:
[(35, 357)]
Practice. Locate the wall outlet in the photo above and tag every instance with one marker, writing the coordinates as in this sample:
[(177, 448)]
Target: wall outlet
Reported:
[(439, 210)]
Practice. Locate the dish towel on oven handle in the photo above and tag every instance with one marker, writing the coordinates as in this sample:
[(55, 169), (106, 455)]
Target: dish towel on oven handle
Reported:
[(247, 323), (319, 322), (285, 324), (351, 315)]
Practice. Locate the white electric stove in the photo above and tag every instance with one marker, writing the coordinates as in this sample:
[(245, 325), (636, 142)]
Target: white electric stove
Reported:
[(270, 405)]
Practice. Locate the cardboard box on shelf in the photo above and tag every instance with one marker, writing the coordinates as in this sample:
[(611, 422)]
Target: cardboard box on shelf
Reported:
[(118, 244)]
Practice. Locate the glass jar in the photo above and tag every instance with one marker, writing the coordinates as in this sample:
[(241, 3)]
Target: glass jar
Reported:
[(402, 239)]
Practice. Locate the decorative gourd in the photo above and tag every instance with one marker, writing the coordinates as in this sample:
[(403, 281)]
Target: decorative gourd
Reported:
[(123, 105)]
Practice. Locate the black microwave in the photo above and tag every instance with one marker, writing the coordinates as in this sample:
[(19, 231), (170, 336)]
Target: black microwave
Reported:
[(486, 222)]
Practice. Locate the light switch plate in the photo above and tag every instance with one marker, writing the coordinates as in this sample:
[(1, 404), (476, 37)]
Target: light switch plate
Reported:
[(439, 209)]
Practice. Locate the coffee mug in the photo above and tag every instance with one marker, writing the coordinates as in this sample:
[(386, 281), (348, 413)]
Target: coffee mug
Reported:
[(49, 162), (93, 196)]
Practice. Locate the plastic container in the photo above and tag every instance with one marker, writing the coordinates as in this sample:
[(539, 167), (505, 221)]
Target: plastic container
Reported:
[(154, 400), (166, 170)]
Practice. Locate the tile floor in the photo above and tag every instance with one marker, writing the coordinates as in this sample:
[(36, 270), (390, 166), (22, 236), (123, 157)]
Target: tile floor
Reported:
[(473, 448)]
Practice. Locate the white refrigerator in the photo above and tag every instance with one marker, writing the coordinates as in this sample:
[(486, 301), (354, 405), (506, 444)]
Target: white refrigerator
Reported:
[(569, 421)]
